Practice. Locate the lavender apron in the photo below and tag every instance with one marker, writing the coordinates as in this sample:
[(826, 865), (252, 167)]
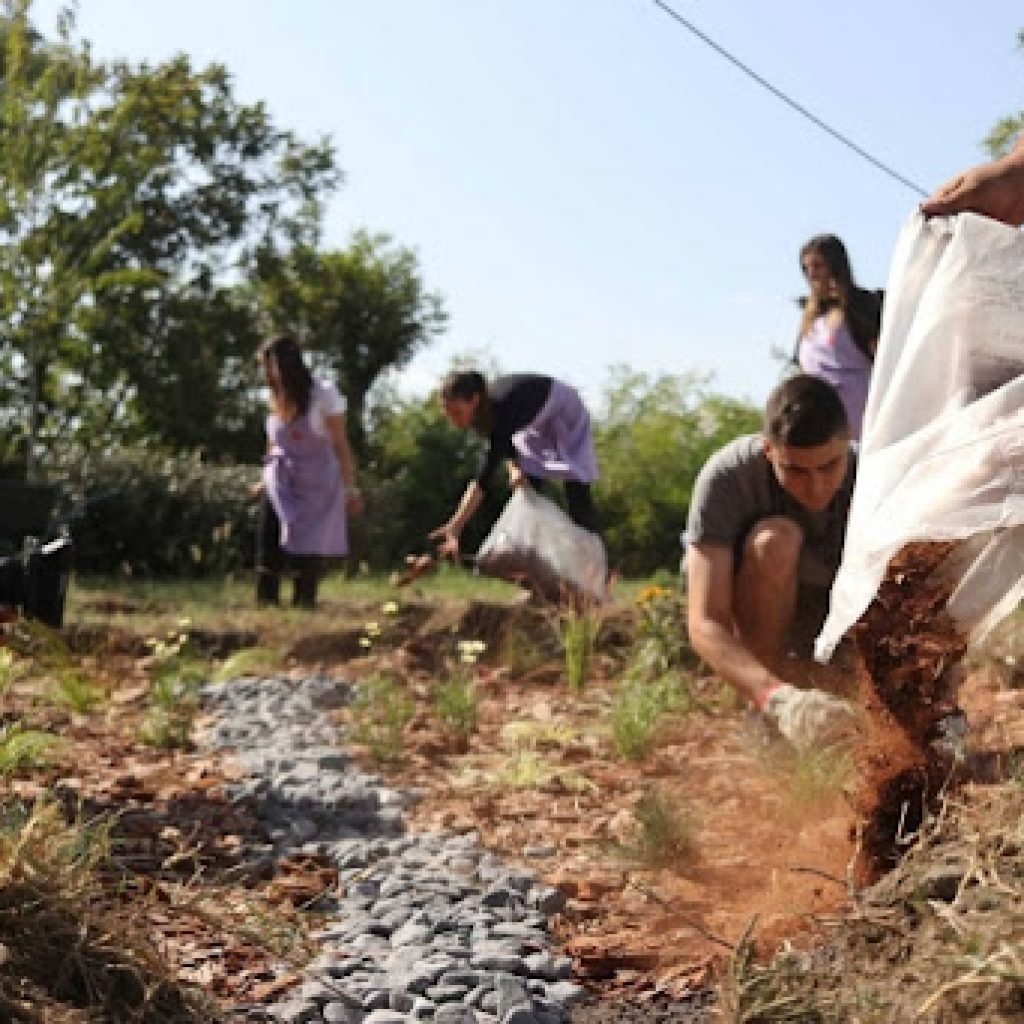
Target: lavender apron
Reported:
[(303, 484), (558, 444), (834, 356)]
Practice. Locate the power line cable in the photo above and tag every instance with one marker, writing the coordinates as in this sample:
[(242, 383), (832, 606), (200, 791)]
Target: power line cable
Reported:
[(788, 100)]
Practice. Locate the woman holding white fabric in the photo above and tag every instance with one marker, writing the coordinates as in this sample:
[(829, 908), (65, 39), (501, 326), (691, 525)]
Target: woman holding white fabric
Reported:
[(309, 483)]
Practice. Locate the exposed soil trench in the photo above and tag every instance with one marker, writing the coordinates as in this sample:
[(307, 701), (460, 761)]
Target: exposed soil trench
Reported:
[(911, 653)]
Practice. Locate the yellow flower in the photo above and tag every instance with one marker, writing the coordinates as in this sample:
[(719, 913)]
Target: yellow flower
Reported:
[(365, 641), (651, 594), (390, 608)]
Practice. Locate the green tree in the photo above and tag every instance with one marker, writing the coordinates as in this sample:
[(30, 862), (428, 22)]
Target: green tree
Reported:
[(1006, 129), (44, 262), (214, 185), (135, 201), (656, 433), (360, 311)]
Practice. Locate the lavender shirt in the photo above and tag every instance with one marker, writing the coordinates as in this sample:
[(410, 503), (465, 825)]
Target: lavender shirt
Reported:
[(832, 354)]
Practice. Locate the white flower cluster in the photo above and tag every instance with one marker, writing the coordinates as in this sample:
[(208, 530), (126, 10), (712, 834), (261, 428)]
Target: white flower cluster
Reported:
[(470, 650)]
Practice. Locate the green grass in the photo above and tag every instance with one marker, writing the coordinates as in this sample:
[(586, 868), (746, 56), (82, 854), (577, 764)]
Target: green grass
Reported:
[(11, 669), (185, 597), (26, 749), (522, 770), (456, 706), (638, 711), (527, 769), (76, 691), (529, 734), (812, 776), (380, 712), (174, 701), (156, 608), (253, 661), (666, 832), (79, 945), (165, 729), (579, 636)]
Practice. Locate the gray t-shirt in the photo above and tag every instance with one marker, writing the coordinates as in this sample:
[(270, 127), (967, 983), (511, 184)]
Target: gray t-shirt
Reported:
[(737, 488)]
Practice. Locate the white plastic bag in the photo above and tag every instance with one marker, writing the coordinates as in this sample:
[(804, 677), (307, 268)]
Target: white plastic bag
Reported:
[(534, 542), (943, 451)]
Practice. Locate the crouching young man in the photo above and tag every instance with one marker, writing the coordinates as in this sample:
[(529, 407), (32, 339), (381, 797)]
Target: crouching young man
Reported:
[(765, 535)]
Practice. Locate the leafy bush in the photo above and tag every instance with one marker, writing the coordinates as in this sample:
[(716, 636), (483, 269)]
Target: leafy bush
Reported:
[(165, 729), (174, 698), (654, 437), (145, 514)]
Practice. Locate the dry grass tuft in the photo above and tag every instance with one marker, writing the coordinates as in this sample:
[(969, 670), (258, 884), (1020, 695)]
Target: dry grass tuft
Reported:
[(67, 954)]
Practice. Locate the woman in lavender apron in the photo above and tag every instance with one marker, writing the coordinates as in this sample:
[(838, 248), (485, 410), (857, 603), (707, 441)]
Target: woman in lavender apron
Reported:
[(309, 483), (537, 425), (840, 325)]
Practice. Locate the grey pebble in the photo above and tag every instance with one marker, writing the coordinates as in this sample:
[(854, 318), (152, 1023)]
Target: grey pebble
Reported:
[(424, 926)]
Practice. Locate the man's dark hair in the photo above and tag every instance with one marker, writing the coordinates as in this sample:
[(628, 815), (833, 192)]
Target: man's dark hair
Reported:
[(463, 384), (803, 412)]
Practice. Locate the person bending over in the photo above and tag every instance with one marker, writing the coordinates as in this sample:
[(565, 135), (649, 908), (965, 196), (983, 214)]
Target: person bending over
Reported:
[(765, 535), (537, 425)]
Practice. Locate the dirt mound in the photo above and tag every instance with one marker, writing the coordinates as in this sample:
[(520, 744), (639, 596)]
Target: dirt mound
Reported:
[(910, 653), (936, 940), (92, 638), (335, 646), (910, 646)]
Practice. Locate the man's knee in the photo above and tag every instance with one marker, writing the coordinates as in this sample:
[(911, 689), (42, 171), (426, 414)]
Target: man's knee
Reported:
[(774, 543)]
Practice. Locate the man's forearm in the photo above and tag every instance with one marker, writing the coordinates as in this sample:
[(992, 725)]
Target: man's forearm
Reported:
[(470, 502), (730, 659)]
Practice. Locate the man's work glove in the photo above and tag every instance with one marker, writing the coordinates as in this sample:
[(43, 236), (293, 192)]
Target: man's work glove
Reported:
[(809, 718)]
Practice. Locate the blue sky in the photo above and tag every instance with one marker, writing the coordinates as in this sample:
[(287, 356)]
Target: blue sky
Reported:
[(584, 181)]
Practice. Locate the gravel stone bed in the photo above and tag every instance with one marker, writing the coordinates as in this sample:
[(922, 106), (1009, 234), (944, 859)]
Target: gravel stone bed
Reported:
[(429, 926)]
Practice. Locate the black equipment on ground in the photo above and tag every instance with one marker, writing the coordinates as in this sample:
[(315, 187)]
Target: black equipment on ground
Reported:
[(35, 553)]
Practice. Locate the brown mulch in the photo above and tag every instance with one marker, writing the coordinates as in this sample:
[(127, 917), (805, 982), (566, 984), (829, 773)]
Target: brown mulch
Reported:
[(768, 864)]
